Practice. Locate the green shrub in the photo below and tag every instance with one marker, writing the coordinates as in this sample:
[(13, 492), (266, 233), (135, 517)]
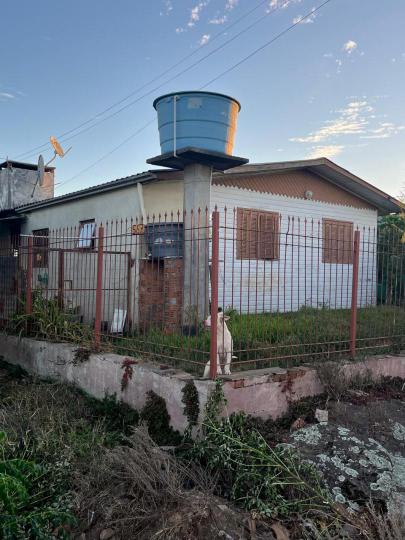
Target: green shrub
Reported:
[(33, 504), (155, 415), (272, 482), (48, 321)]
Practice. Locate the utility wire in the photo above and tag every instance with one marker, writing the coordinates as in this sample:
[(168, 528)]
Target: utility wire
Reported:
[(270, 42), (177, 75), (108, 153), (250, 55), (168, 70)]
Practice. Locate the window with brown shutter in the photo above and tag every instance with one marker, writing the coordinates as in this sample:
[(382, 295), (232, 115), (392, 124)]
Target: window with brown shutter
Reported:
[(337, 241), (40, 248), (257, 235)]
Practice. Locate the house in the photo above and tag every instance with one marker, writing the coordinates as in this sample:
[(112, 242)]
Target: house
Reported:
[(286, 239)]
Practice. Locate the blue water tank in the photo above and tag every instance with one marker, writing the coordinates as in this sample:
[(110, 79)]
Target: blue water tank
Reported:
[(203, 120)]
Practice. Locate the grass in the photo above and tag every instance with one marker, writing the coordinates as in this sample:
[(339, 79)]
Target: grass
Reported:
[(282, 339)]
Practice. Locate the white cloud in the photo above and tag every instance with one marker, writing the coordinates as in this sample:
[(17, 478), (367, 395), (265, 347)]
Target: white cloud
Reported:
[(350, 46), (330, 151), (308, 20), (275, 4), (195, 12), (6, 96), (231, 4), (351, 121), (328, 55), (219, 19), (385, 130), (204, 39), (357, 118), (167, 7)]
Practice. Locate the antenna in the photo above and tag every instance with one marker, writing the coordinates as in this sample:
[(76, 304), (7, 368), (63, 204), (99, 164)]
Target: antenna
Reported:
[(58, 151), (41, 170)]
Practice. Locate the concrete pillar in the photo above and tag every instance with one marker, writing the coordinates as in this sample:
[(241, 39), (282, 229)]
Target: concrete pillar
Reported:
[(197, 188)]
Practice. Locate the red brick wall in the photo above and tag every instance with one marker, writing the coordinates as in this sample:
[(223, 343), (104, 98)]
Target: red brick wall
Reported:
[(161, 294)]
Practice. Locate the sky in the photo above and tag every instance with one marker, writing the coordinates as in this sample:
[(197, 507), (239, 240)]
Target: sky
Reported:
[(333, 85)]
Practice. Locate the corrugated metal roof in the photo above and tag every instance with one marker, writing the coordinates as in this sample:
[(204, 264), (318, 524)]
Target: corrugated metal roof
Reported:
[(267, 177), (93, 190), (22, 165)]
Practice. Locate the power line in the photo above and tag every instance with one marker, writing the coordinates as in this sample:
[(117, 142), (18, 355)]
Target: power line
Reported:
[(108, 153), (270, 42), (250, 55), (187, 57), (182, 72)]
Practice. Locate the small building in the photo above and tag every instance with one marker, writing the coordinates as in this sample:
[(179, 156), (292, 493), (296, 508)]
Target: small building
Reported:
[(286, 239)]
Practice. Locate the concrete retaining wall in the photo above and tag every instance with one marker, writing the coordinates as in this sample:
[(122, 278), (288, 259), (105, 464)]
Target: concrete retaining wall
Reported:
[(262, 393), (102, 374)]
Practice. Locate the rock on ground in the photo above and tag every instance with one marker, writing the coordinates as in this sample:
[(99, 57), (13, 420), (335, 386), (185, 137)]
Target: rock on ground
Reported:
[(360, 453)]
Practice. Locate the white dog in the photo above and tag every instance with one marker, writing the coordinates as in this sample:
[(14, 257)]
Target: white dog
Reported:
[(224, 345)]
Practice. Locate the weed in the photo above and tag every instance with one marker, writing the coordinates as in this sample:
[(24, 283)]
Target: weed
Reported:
[(128, 372), (13, 370), (191, 403), (338, 379), (118, 417), (154, 414), (270, 482), (48, 321), (81, 355), (309, 334), (138, 489), (33, 503)]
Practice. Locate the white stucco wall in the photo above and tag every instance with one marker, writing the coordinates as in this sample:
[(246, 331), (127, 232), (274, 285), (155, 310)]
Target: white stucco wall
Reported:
[(299, 278)]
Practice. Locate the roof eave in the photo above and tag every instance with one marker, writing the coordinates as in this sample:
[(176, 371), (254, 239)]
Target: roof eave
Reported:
[(94, 190), (333, 173)]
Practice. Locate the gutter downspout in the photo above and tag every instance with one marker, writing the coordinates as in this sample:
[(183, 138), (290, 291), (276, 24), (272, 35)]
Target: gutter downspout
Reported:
[(141, 201)]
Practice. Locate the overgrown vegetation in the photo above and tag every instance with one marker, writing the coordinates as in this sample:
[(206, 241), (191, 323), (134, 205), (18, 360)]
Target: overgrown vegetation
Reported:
[(272, 482), (49, 433), (70, 463), (48, 321), (33, 501), (154, 414), (191, 403), (281, 339)]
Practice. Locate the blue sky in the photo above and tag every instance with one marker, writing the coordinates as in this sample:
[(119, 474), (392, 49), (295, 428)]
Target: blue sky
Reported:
[(334, 85)]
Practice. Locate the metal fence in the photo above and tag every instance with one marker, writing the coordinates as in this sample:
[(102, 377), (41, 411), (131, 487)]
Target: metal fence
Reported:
[(291, 290)]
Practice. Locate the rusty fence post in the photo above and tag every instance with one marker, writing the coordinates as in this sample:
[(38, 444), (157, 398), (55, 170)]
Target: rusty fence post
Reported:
[(214, 294), (28, 291), (61, 279), (355, 284), (99, 287)]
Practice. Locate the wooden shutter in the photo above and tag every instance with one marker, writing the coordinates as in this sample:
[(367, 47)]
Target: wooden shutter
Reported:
[(268, 236), (337, 241), (247, 233), (257, 234)]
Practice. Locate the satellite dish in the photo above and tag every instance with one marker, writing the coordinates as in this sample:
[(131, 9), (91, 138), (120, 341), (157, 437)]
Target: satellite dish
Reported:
[(58, 151), (57, 147), (41, 170)]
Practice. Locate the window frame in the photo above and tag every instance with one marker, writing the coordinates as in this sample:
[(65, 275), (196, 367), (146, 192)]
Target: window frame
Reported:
[(332, 255), (40, 247), (91, 240), (254, 247)]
